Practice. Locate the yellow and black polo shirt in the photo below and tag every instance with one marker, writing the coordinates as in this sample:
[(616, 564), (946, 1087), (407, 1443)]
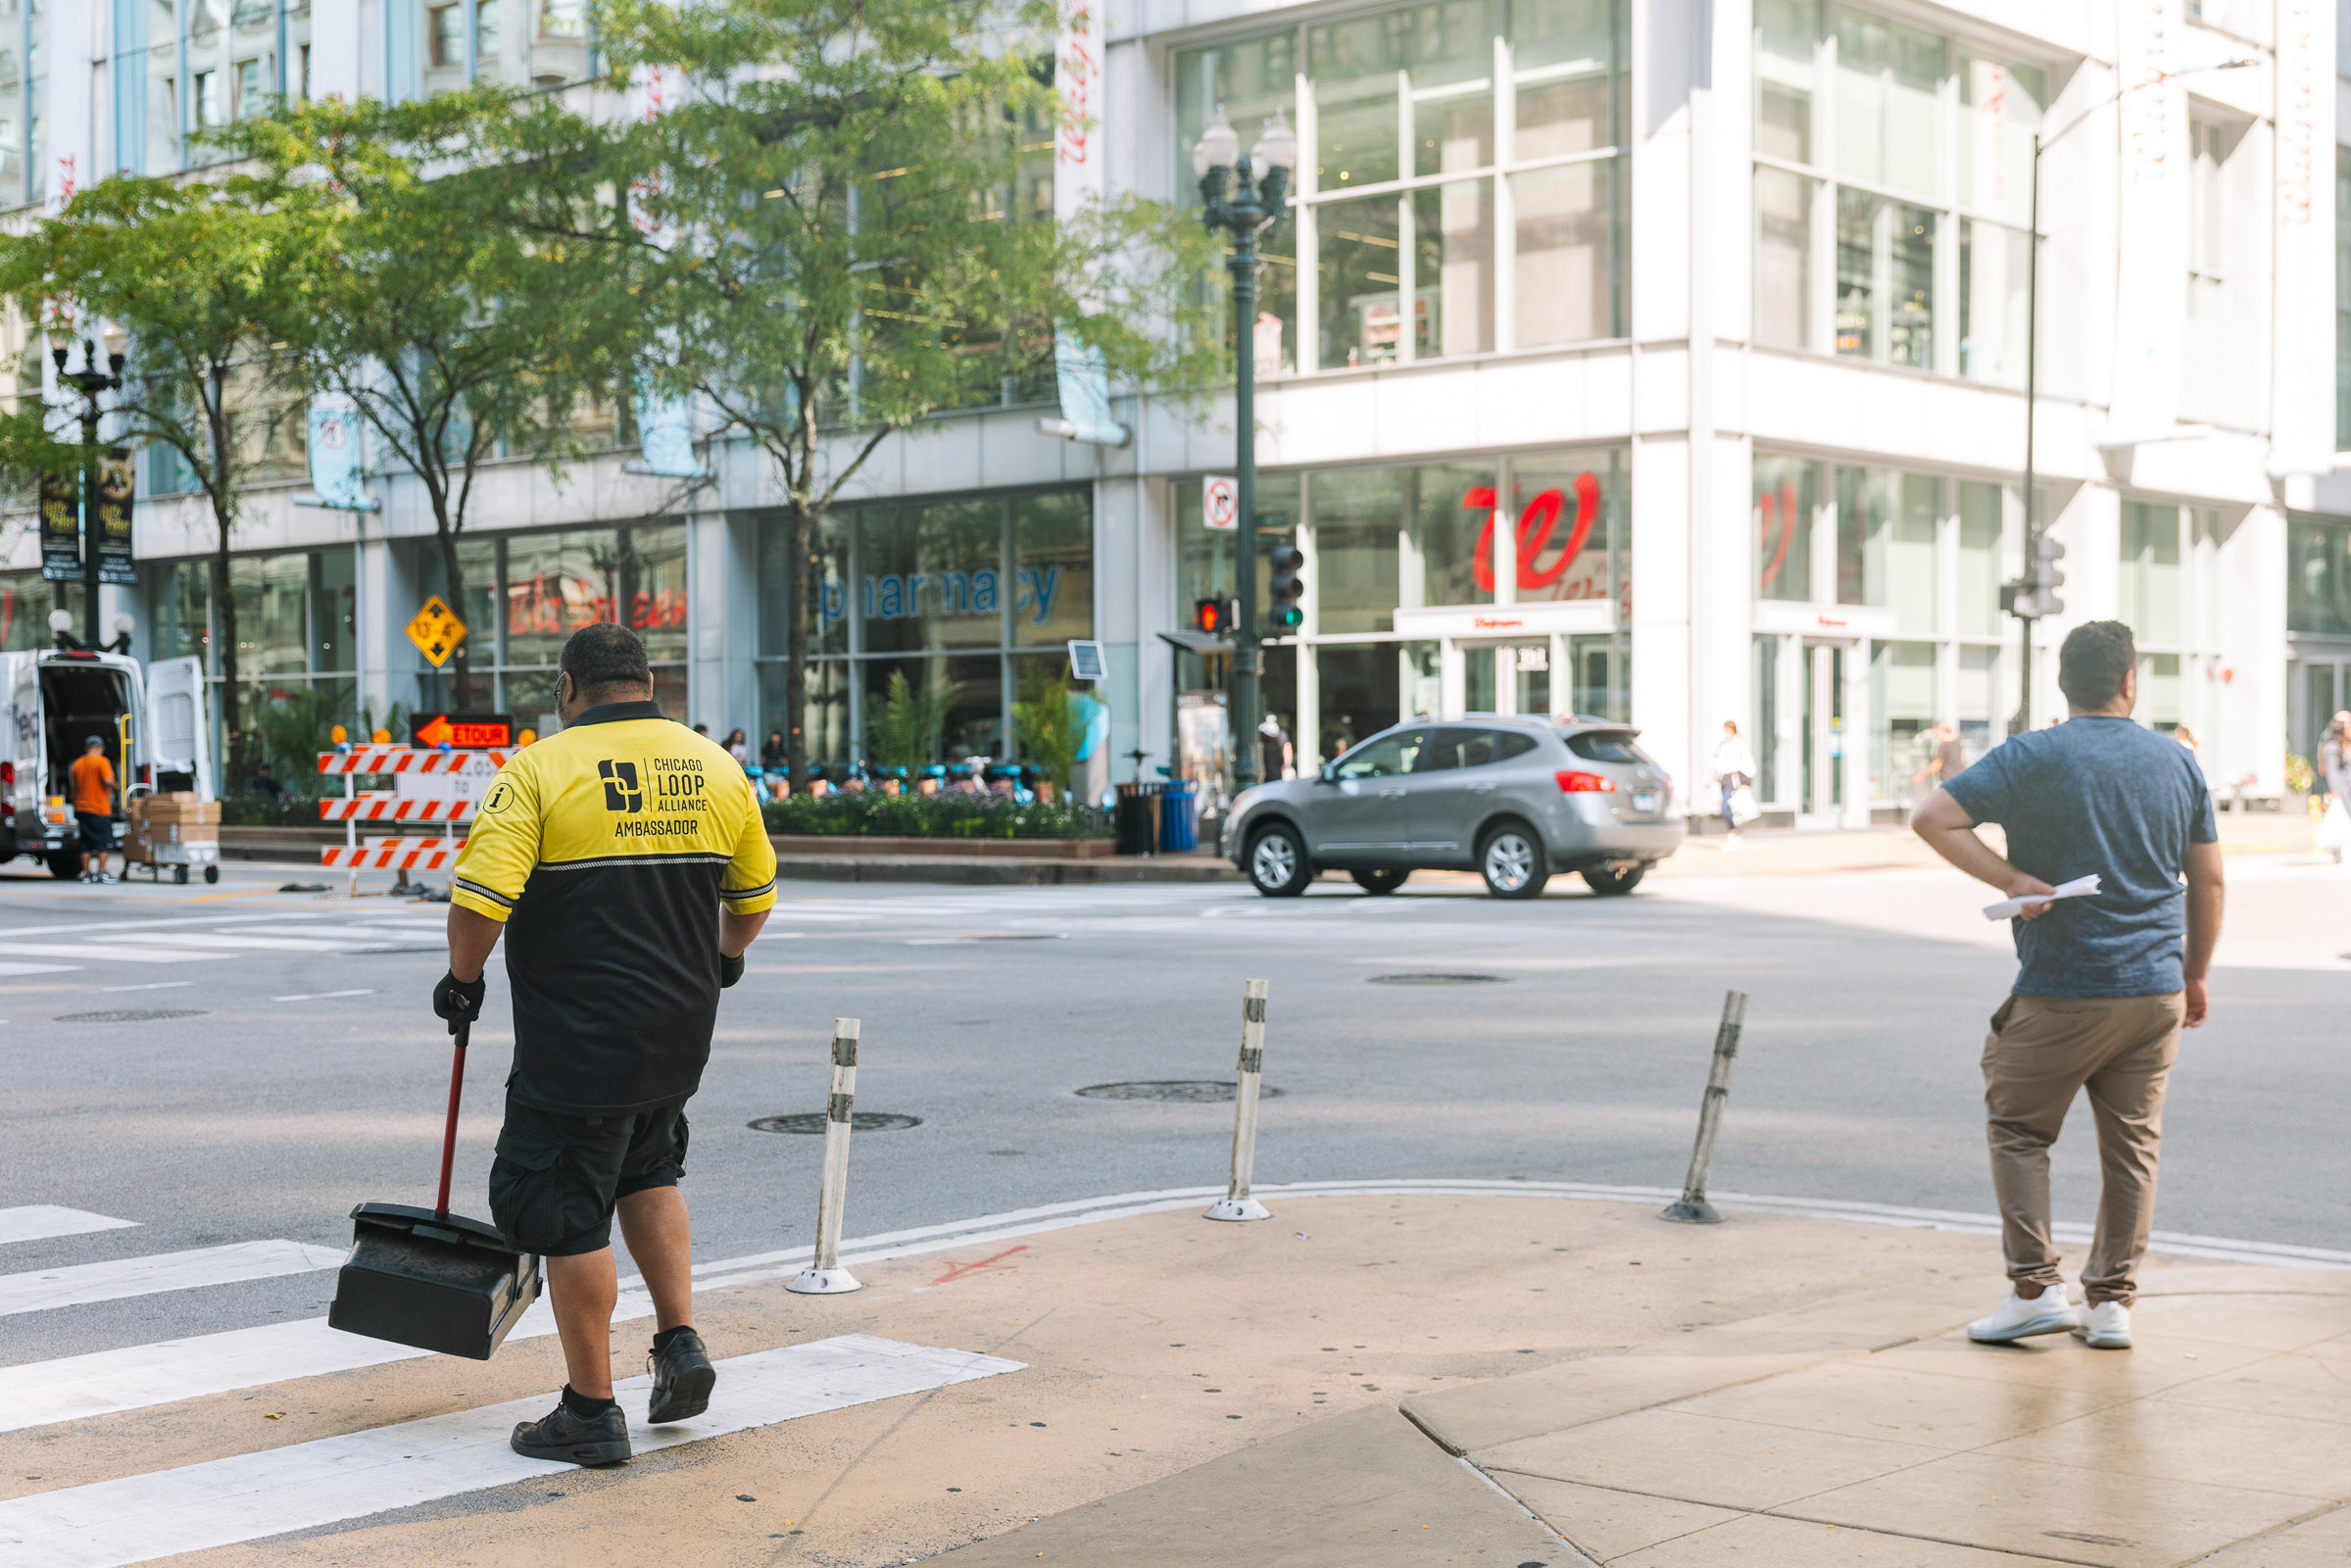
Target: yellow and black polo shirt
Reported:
[(607, 850)]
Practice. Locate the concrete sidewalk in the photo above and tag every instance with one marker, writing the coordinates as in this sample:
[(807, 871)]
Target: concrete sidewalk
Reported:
[(1371, 1380)]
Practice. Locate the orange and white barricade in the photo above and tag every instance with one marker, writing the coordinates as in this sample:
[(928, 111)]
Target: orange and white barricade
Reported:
[(389, 805), (395, 854), (428, 786)]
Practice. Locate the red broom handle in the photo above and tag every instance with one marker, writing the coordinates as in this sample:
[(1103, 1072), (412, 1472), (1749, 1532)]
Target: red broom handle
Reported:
[(457, 1091)]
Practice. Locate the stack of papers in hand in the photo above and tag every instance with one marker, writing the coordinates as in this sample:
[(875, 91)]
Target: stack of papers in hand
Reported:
[(2082, 887)]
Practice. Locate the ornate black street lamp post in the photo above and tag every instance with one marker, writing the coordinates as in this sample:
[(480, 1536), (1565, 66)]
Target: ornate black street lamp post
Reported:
[(1244, 197), (89, 381)]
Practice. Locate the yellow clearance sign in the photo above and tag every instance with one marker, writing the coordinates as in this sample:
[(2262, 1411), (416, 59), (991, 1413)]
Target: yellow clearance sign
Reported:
[(436, 631)]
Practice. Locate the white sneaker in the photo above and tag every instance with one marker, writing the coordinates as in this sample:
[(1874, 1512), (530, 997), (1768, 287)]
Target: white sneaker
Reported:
[(1734, 844), (2106, 1327), (2018, 1318)]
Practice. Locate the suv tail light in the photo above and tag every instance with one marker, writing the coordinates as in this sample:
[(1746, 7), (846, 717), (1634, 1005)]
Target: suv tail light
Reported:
[(1571, 782), (8, 775)]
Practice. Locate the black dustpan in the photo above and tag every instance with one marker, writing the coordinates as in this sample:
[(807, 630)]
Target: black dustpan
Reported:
[(430, 1278)]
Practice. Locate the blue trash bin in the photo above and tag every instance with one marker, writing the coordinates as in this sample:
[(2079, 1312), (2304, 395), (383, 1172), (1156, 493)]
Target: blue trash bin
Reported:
[(1179, 817)]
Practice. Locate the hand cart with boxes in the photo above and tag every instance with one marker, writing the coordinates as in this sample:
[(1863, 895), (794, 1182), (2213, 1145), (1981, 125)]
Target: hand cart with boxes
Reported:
[(174, 829)]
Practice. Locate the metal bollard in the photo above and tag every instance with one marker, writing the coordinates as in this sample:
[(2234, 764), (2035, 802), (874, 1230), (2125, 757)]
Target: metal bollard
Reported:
[(1693, 1207), (824, 1275), (1237, 1203)]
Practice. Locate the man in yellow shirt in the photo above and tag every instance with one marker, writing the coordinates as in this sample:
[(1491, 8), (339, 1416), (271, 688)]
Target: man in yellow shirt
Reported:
[(626, 861), (93, 779)]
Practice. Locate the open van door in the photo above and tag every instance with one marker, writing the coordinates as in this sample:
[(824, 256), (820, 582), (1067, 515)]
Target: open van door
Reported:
[(179, 730)]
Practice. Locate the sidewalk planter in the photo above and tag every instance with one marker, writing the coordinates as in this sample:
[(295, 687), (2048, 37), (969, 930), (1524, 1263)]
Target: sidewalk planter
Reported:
[(934, 819), (864, 843)]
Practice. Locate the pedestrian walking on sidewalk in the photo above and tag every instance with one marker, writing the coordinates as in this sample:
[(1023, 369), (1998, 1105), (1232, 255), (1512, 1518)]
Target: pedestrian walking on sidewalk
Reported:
[(1734, 769), (2104, 983), (627, 863), (93, 780)]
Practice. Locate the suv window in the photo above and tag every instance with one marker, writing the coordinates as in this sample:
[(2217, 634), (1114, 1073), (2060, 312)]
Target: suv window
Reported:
[(1389, 756), (1605, 745), (1472, 748)]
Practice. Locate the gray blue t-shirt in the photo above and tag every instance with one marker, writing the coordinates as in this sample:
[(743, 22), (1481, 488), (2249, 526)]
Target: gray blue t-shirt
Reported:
[(2096, 795)]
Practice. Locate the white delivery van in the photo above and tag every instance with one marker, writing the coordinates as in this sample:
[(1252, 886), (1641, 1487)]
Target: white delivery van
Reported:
[(152, 719)]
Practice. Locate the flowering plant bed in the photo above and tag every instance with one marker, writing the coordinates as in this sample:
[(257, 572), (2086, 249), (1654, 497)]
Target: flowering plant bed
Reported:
[(871, 814)]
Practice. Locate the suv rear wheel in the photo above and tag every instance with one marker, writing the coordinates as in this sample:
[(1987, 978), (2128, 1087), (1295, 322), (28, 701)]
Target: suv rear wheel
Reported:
[(1608, 883), (1277, 862), (64, 864), (1513, 860), (1375, 883)]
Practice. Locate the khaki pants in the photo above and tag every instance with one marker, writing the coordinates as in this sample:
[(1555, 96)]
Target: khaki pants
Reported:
[(2041, 1050)]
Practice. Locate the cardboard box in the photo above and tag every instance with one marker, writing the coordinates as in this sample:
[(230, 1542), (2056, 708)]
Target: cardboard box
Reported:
[(184, 809)]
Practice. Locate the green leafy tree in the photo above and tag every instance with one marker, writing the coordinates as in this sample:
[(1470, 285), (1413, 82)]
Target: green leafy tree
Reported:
[(835, 233), (904, 729), (196, 273), (458, 331), (1045, 721)]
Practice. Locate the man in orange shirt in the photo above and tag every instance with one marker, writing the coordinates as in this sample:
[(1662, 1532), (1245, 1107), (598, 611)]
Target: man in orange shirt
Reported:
[(94, 808)]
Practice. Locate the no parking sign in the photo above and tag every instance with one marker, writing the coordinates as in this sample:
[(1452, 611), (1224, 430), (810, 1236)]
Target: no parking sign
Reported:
[(1220, 503)]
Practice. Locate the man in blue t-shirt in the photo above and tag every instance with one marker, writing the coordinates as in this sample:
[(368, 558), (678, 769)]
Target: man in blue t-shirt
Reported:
[(2104, 983)]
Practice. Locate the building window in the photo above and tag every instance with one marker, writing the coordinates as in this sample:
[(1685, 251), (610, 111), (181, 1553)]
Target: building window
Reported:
[(1877, 150), (249, 88), (210, 109), (1460, 179), (1383, 540), (2342, 302), (446, 36), (27, 599), (297, 619), (2205, 394), (967, 599), (485, 32), (2317, 584), (2164, 592), (1784, 503)]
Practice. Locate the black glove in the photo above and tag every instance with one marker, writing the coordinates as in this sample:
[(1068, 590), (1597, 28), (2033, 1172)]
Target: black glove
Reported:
[(458, 1001), (730, 970)]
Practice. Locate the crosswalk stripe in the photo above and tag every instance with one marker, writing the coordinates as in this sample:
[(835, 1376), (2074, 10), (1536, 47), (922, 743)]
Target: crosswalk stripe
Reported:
[(109, 949), (44, 1290), (36, 1222), (9, 970), (247, 1497), (237, 942)]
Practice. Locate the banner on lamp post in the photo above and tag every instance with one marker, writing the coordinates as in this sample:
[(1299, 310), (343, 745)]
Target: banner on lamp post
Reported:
[(117, 482), (60, 527), (2152, 220), (1080, 179), (334, 452), (2302, 420)]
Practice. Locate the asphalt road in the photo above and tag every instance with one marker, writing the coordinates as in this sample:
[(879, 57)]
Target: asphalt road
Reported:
[(269, 1107)]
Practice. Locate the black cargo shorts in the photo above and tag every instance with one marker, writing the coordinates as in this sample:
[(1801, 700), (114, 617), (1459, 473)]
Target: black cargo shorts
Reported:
[(557, 1177)]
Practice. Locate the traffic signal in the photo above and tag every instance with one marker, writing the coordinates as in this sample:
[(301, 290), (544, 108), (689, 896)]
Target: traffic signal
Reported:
[(2035, 595), (2047, 576), (1282, 593), (1216, 617)]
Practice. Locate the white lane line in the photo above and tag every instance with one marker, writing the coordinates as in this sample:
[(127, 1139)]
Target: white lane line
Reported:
[(44, 1290), (9, 969), (152, 985), (73, 928), (322, 996), (210, 941), (222, 1501), (137, 1377), (107, 950), (36, 1222)]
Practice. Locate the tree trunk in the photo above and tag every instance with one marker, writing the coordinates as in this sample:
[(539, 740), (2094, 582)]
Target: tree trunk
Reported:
[(799, 539), (225, 632), (463, 682)]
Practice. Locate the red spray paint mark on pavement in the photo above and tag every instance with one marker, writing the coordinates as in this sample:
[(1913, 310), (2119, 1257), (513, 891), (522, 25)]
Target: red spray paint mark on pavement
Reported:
[(956, 1271)]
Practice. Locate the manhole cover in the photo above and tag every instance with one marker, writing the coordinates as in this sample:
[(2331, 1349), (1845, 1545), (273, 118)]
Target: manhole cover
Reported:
[(860, 1121), (131, 1015), (1189, 1091), (1436, 979)]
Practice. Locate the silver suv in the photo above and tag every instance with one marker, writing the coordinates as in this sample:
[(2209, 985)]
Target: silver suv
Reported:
[(1512, 799)]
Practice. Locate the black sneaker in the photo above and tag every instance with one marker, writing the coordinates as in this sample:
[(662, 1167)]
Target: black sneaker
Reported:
[(565, 1434), (682, 1376)]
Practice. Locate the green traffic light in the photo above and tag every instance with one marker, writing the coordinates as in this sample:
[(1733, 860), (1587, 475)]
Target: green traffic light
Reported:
[(1288, 617)]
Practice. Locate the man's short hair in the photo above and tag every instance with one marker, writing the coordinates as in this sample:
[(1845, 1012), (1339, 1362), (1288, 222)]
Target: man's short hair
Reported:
[(602, 655), (2091, 665), (94, 743)]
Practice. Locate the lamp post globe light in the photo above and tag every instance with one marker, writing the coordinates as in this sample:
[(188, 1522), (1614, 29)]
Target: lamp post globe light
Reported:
[(89, 381), (1244, 197)]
